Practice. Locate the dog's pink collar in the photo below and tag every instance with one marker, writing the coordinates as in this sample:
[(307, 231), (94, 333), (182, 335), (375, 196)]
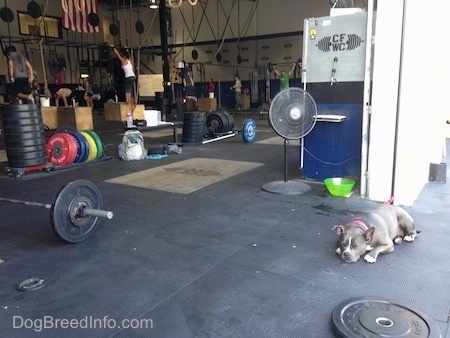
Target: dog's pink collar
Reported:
[(359, 223)]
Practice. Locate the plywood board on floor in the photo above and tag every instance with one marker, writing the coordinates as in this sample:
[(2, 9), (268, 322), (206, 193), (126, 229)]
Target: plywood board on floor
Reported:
[(186, 176), (274, 140)]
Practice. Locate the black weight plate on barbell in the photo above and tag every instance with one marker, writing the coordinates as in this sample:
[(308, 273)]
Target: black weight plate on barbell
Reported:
[(231, 123), (214, 122), (66, 222), (379, 317)]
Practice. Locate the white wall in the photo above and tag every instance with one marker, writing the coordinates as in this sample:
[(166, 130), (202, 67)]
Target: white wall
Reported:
[(421, 106)]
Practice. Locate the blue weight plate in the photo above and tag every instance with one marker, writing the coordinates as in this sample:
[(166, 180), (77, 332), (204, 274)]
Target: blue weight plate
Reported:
[(82, 148), (249, 130)]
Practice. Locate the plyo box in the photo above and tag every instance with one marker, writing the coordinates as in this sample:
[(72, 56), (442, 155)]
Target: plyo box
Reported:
[(50, 117), (79, 118), (207, 104), (117, 111)]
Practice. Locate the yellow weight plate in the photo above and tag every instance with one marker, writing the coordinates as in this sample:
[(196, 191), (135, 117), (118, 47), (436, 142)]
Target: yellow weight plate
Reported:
[(92, 146)]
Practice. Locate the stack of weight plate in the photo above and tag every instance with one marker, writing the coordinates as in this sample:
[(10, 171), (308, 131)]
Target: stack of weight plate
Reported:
[(24, 135), (193, 127), (67, 146)]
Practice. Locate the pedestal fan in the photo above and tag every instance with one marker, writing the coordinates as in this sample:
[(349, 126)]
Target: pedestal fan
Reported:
[(292, 114)]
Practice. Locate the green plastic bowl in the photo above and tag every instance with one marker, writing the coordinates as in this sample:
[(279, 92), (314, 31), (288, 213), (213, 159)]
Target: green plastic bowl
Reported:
[(339, 186)]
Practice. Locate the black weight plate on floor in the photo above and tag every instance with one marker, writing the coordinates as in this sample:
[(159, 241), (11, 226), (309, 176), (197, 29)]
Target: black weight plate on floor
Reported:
[(66, 222), (23, 129), (24, 136), (23, 121), (369, 317), (16, 143), (194, 116), (34, 147), (25, 156), (27, 163)]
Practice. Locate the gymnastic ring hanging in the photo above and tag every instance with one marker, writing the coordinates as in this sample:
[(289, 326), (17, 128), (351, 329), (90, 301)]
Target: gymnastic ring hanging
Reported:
[(193, 2), (79, 4), (177, 5), (64, 6)]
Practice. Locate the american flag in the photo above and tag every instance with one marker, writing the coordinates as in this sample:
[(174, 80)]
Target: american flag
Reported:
[(77, 20)]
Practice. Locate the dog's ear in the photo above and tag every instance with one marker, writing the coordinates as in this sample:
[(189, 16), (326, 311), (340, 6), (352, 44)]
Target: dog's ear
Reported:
[(340, 229), (369, 234)]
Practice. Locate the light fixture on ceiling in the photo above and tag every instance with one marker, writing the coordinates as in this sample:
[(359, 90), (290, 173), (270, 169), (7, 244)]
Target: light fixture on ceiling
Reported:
[(153, 4)]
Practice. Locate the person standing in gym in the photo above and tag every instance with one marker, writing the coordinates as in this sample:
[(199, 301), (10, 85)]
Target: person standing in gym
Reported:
[(88, 92), (284, 77), (130, 76), (20, 74), (237, 91), (188, 83)]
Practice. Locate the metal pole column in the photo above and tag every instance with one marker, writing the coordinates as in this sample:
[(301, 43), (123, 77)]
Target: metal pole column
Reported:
[(167, 96)]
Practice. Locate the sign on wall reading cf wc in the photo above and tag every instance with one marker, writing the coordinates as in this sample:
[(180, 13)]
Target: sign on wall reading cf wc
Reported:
[(334, 48)]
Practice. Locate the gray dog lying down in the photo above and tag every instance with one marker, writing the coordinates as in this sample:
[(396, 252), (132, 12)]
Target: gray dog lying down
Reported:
[(374, 231)]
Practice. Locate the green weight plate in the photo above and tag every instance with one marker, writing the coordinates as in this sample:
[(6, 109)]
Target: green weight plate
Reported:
[(98, 143), (92, 147)]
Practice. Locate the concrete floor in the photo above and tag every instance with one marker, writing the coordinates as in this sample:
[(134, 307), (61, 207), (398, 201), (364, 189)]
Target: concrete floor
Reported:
[(214, 256)]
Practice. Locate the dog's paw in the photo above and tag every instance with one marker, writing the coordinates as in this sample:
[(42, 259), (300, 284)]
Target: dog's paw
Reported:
[(409, 238), (369, 259), (398, 240)]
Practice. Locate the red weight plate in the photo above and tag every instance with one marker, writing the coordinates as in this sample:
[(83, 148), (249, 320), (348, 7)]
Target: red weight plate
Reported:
[(59, 150), (73, 148)]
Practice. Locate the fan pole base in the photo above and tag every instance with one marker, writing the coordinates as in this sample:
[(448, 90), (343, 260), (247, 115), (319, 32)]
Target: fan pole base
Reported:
[(286, 187)]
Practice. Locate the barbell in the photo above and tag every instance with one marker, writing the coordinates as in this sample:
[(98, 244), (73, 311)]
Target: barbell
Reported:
[(221, 125), (75, 211), (270, 65)]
